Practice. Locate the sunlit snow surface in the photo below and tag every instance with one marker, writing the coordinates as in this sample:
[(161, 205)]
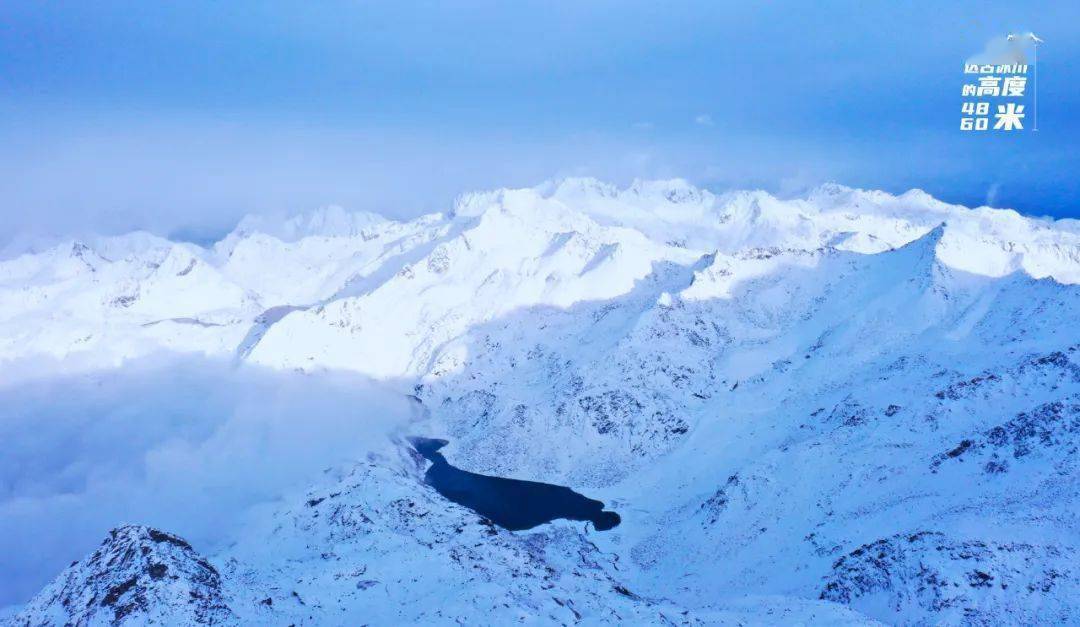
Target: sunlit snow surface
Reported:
[(845, 407)]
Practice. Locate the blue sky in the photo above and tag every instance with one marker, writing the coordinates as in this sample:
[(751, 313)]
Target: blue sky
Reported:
[(180, 117)]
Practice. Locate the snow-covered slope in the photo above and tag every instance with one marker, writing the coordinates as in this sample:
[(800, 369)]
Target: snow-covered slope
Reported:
[(848, 399), (371, 544), (138, 575)]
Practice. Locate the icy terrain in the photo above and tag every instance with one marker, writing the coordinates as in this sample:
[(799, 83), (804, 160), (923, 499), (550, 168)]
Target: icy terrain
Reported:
[(845, 408)]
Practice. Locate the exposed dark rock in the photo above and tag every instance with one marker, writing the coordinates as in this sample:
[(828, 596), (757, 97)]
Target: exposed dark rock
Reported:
[(138, 575), (931, 578)]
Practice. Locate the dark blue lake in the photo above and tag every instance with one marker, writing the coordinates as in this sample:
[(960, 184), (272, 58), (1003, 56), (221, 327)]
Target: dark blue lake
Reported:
[(510, 503)]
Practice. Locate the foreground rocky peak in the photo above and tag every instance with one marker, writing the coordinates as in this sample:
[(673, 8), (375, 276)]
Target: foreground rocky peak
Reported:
[(369, 543), (139, 575)]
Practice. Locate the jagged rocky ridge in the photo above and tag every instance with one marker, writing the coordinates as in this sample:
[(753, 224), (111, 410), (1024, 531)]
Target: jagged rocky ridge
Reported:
[(763, 387), (138, 575)]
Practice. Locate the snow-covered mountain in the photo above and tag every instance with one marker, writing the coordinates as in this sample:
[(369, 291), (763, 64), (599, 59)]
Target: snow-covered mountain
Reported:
[(846, 407)]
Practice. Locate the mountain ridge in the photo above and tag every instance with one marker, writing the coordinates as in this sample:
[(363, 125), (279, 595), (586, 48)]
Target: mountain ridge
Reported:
[(761, 388)]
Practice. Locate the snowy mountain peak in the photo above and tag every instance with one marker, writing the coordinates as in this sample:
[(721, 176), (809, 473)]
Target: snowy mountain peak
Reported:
[(926, 245), (848, 400), (329, 221), (833, 195), (138, 575), (554, 245), (675, 191)]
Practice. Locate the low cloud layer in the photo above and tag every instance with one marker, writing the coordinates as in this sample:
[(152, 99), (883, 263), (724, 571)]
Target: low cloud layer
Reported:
[(188, 445)]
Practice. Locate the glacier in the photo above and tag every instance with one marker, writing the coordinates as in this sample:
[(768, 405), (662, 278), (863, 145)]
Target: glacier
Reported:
[(843, 408)]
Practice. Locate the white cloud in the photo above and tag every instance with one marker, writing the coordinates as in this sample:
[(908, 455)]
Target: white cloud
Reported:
[(999, 50), (704, 120), (184, 444)]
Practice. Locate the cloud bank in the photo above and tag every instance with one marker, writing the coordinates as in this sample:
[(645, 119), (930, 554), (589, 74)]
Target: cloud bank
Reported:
[(185, 444)]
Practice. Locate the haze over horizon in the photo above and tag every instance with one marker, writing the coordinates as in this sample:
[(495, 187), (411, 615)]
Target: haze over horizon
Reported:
[(181, 119)]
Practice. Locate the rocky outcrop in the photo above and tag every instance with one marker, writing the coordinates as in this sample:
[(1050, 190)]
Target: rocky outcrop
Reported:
[(138, 576), (930, 578)]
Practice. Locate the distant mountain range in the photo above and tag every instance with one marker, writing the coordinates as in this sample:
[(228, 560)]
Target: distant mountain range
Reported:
[(845, 408)]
